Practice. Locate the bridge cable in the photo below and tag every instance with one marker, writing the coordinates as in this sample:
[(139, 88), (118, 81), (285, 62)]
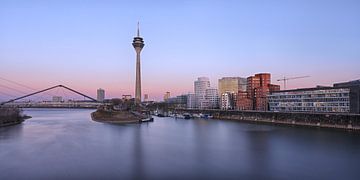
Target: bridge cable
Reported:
[(22, 85), (17, 83), (16, 90), (7, 87)]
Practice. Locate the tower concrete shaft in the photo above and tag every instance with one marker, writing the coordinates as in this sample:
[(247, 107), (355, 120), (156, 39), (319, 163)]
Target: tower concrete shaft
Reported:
[(138, 44)]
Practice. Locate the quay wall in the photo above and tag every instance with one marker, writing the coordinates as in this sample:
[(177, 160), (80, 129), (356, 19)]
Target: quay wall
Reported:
[(320, 120)]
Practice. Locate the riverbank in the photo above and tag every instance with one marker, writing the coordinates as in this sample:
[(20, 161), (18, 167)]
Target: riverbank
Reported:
[(11, 116), (341, 121), (293, 123)]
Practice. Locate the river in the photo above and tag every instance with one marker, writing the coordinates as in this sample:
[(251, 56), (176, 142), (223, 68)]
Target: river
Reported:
[(67, 144)]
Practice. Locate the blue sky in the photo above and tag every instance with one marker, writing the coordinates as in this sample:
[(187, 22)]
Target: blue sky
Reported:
[(87, 44)]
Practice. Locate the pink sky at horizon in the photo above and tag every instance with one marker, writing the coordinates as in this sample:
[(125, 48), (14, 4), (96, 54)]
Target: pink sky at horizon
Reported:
[(155, 89)]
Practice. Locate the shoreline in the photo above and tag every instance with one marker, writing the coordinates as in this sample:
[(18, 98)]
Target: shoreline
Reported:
[(118, 117), (295, 124), (22, 119), (112, 121), (336, 121)]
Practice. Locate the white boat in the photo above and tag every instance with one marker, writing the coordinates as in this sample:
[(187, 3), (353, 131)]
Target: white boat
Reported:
[(179, 116), (206, 116), (196, 115)]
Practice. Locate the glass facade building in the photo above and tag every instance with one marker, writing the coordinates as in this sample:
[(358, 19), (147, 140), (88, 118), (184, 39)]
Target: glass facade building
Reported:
[(322, 99)]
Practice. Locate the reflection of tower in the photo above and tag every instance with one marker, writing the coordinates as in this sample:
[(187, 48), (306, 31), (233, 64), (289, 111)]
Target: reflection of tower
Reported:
[(138, 44)]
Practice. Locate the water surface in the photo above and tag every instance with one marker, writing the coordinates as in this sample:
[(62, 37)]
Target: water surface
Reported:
[(66, 144)]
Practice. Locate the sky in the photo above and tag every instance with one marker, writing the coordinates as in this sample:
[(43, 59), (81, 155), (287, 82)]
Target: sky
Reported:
[(86, 45)]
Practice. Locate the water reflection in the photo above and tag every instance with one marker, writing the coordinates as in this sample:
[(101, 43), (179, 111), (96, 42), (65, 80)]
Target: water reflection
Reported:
[(138, 164), (11, 132), (258, 141), (66, 144)]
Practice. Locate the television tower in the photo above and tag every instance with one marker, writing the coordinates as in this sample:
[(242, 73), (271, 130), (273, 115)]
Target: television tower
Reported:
[(138, 44)]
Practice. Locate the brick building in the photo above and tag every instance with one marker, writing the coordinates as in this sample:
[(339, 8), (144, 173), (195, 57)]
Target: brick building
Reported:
[(255, 96)]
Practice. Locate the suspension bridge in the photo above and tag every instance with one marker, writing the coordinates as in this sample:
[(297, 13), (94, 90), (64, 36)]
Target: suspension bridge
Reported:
[(36, 98)]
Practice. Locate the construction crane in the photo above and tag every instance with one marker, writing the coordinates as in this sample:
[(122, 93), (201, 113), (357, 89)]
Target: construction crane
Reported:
[(286, 79)]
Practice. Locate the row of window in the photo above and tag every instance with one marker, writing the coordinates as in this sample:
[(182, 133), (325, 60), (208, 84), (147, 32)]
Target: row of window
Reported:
[(277, 104), (328, 91), (311, 109), (312, 100), (335, 95)]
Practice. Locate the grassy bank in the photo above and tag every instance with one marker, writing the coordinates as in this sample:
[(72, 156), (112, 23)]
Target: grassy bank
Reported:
[(115, 116)]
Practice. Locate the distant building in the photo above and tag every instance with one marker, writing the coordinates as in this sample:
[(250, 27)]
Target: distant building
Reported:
[(126, 97), (100, 95), (244, 102), (212, 98), (227, 101), (256, 95), (200, 86), (178, 101), (190, 101), (274, 87), (348, 84), (166, 96), (231, 85), (181, 99), (342, 98), (146, 97), (57, 99)]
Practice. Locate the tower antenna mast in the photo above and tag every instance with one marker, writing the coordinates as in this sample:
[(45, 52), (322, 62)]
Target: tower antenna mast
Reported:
[(138, 29)]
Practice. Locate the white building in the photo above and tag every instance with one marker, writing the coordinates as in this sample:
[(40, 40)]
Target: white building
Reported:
[(212, 97), (200, 87), (100, 95), (191, 101), (56, 98), (227, 101)]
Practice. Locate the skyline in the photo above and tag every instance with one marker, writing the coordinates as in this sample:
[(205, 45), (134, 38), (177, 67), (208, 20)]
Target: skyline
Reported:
[(88, 45)]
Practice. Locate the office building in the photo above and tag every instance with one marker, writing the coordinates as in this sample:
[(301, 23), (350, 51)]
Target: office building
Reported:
[(190, 101), (200, 86), (341, 98), (227, 101), (180, 101), (255, 97), (244, 102), (348, 84), (212, 98), (126, 97), (56, 98), (146, 97), (231, 85), (166, 96), (100, 95)]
